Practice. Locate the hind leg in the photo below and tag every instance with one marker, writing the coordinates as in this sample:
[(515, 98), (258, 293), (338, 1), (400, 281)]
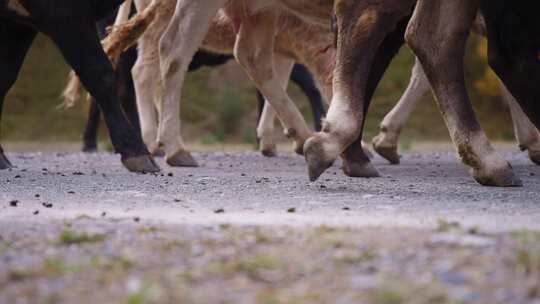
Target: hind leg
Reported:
[(16, 40), (526, 133), (386, 142)]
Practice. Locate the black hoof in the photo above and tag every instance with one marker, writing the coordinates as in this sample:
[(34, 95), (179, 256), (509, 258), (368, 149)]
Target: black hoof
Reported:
[(140, 164), (89, 149), (366, 170), (269, 151), (535, 157), (182, 159), (4, 162)]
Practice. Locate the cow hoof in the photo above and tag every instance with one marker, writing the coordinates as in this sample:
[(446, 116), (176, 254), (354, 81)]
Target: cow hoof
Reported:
[(366, 170), (504, 177), (182, 159), (90, 149), (315, 158), (387, 152), (141, 164), (269, 150), (4, 162), (158, 153), (298, 147), (535, 157)]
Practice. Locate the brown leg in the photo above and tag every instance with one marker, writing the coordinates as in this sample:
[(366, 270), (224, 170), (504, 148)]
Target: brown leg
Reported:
[(438, 39)]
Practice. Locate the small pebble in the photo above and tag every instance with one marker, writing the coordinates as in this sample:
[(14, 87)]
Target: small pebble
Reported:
[(291, 210), (14, 203), (137, 219), (220, 210), (47, 205), (36, 212)]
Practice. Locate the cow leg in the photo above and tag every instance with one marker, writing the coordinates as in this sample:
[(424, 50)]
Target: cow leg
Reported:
[(435, 27), (386, 142), (301, 76), (91, 129), (16, 40), (126, 90), (368, 23), (526, 133), (265, 130), (97, 75), (513, 31), (178, 44), (254, 50), (356, 162)]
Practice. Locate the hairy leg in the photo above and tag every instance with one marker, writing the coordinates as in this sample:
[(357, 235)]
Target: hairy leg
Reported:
[(177, 46), (386, 142), (444, 69)]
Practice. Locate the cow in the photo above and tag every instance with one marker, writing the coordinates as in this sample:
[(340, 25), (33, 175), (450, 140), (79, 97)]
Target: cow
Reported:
[(386, 142), (71, 26)]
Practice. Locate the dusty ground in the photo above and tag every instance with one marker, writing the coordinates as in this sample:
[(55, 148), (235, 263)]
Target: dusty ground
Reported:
[(245, 229)]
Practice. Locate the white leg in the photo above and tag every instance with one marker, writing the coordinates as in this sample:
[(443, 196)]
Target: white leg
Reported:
[(265, 130), (526, 133), (386, 142), (177, 46)]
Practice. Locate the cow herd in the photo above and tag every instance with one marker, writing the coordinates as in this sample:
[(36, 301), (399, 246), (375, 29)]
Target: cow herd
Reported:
[(347, 45)]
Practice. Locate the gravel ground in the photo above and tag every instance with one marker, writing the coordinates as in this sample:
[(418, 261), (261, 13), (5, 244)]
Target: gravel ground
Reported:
[(246, 229)]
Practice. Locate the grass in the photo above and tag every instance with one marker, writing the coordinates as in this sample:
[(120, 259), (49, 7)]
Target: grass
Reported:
[(218, 109), (71, 237)]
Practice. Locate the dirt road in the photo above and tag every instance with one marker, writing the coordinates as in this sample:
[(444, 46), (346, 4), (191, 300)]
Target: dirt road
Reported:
[(246, 229)]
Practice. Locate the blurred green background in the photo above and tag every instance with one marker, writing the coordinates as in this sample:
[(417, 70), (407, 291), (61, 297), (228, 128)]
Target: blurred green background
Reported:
[(220, 104)]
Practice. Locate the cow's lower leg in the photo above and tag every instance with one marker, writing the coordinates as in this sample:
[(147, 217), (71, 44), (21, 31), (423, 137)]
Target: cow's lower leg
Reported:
[(434, 27), (386, 142), (254, 50), (513, 31), (178, 44), (526, 133), (97, 75), (301, 76), (355, 162), (16, 40), (91, 128), (369, 24), (265, 131)]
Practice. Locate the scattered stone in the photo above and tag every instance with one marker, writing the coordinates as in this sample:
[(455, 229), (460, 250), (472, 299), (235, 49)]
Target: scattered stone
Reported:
[(17, 176), (78, 173), (37, 196), (47, 205), (170, 174), (291, 210), (220, 210), (346, 208), (14, 203), (71, 192), (36, 212), (103, 214), (137, 219)]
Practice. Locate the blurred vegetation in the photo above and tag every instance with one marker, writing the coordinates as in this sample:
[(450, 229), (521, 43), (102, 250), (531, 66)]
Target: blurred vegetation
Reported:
[(214, 112)]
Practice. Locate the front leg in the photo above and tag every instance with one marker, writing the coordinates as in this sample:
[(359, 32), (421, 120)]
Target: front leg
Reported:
[(438, 39), (16, 40), (96, 73), (177, 46), (362, 27)]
